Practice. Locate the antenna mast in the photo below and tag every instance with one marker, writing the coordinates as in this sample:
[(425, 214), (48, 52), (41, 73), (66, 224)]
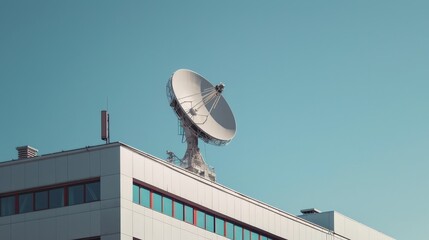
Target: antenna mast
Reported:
[(105, 126)]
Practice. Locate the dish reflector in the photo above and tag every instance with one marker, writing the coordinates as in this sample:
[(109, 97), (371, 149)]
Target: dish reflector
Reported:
[(201, 107)]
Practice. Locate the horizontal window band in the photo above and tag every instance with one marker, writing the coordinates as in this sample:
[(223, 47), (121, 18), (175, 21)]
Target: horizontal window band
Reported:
[(204, 209), (48, 187)]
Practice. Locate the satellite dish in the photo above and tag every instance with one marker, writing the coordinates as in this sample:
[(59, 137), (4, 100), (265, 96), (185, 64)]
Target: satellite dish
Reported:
[(203, 113)]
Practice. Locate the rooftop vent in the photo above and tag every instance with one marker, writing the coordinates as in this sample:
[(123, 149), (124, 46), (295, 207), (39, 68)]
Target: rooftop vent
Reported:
[(310, 211), (26, 152)]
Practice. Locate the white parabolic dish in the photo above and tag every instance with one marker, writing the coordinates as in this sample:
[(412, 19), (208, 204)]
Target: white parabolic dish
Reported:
[(189, 95)]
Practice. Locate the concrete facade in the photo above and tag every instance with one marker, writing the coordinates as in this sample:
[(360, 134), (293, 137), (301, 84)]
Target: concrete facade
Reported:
[(116, 216)]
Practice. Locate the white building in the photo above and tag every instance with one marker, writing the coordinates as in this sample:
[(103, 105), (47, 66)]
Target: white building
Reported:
[(115, 191)]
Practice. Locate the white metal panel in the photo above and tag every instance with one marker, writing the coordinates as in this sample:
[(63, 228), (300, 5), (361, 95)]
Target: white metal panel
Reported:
[(78, 166), (230, 205), (138, 225), (188, 191), (167, 230), (94, 164), (81, 223), (175, 233), (17, 181), (61, 173), (109, 158), (18, 231), (110, 221), (126, 237), (158, 230), (126, 221), (116, 236), (110, 186), (31, 174), (61, 227), (126, 162), (46, 172), (5, 232), (138, 166), (126, 188), (176, 184), (148, 233), (148, 171), (109, 203), (201, 192), (252, 213), (158, 173), (5, 179), (237, 208), (46, 230), (259, 219), (95, 222), (245, 211), (167, 179), (215, 197)]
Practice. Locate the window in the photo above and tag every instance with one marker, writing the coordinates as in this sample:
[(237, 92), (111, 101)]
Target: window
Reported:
[(167, 206), (41, 201), (56, 197), (7, 206), (173, 207), (220, 226), (229, 230), (238, 233), (157, 202), (25, 202), (209, 223), (201, 219), (136, 194), (145, 197), (76, 194), (189, 214), (246, 234), (178, 210), (92, 192)]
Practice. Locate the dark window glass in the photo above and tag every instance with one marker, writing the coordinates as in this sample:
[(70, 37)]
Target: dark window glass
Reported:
[(145, 197), (92, 192), (56, 197), (238, 233), (229, 230), (246, 234), (25, 202), (7, 206), (178, 210), (189, 214), (209, 223), (220, 226), (167, 206), (76, 194), (201, 219), (136, 190), (157, 202), (254, 236), (41, 200)]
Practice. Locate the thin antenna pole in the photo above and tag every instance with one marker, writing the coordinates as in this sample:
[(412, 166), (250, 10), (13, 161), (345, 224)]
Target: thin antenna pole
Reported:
[(108, 124), (108, 120)]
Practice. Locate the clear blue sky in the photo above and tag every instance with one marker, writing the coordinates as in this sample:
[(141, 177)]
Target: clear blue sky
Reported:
[(330, 97)]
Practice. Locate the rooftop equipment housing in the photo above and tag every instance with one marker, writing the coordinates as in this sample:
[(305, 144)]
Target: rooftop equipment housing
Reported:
[(26, 152)]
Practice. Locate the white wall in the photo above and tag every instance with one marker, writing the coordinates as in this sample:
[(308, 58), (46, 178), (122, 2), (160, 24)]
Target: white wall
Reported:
[(146, 224), (78, 221)]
